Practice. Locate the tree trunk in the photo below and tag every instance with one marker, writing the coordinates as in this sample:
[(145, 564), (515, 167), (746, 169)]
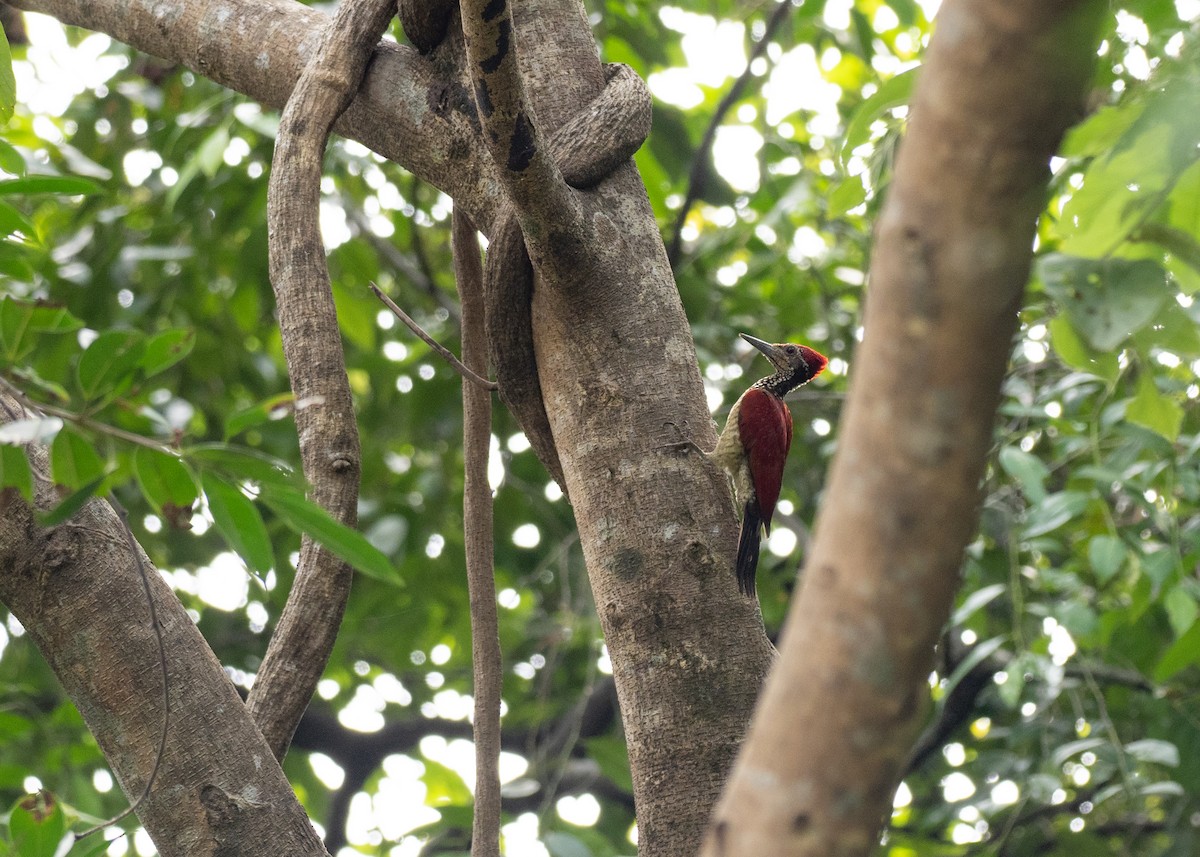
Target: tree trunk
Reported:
[(78, 592), (617, 364), (1001, 83)]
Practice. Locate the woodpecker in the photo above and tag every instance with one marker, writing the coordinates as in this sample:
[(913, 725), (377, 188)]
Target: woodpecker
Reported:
[(754, 445)]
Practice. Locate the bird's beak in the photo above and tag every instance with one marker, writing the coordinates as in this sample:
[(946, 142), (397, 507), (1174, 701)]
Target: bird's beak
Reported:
[(775, 355)]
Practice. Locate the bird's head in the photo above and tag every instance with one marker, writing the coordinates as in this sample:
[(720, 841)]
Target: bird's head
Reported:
[(796, 364)]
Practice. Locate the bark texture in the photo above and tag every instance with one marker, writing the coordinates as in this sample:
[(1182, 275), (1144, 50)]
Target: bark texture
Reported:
[(312, 343), (486, 661), (1001, 83), (616, 363), (77, 591), (615, 360)]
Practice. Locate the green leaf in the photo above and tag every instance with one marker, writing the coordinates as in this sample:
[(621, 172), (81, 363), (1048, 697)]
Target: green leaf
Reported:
[(36, 825), (561, 844), (73, 459), (846, 194), (239, 522), (1180, 606), (1099, 133), (974, 658), (72, 504), (444, 786), (1106, 300), (109, 363), (273, 408), (12, 221), (19, 318), (1076, 354), (1052, 512), (164, 350), (1106, 555), (1173, 330), (11, 160), (1124, 186), (976, 601), (305, 516), (8, 82), (1066, 751), (13, 263), (1027, 469), (15, 472), (1151, 409), (612, 755), (93, 846), (165, 481), (65, 185), (1154, 751), (1184, 652), (241, 464), (894, 93), (211, 153)]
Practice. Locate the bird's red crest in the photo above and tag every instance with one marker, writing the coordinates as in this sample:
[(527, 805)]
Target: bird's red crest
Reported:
[(814, 360)]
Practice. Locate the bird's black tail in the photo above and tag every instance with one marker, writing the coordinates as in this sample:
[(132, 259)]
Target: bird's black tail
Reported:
[(748, 542)]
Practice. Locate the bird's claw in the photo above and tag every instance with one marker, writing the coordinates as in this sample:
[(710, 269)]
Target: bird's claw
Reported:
[(684, 444)]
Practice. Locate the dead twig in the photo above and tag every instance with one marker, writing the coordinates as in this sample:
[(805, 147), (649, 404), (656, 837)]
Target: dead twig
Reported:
[(459, 367)]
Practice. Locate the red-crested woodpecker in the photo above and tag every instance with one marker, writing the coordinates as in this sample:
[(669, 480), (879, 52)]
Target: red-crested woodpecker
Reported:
[(755, 443)]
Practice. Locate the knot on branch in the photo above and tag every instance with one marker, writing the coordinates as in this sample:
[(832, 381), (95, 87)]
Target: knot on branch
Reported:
[(587, 149)]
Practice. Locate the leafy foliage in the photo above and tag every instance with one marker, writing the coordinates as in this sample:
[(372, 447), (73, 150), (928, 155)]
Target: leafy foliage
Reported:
[(138, 313)]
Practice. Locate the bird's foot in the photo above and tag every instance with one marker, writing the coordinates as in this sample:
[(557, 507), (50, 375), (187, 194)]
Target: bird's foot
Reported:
[(684, 444)]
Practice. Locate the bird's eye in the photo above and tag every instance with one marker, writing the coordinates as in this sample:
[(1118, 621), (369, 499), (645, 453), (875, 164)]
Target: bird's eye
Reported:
[(791, 349)]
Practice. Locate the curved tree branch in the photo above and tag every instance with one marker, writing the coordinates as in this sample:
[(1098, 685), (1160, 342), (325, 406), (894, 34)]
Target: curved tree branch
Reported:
[(1001, 84), (329, 445)]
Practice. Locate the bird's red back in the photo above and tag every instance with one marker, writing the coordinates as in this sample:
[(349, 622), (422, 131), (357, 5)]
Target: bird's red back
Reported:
[(765, 429)]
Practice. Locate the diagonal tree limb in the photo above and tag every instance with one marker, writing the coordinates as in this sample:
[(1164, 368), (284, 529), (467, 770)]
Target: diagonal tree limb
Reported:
[(701, 166), (477, 533), (329, 445), (71, 586), (405, 109), (838, 714)]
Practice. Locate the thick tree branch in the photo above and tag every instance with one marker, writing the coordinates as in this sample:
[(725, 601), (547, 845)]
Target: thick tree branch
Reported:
[(218, 791), (404, 110), (329, 444), (477, 538), (1001, 84)]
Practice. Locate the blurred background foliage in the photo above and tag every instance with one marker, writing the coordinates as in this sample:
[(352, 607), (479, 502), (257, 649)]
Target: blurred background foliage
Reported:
[(1063, 716)]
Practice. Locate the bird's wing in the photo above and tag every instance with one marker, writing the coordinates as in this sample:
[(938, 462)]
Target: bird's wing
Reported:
[(765, 427)]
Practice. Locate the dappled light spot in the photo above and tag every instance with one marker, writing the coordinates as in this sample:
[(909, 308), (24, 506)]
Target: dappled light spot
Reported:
[(527, 536), (582, 810), (223, 583), (782, 541), (1005, 793), (328, 771), (957, 786)]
